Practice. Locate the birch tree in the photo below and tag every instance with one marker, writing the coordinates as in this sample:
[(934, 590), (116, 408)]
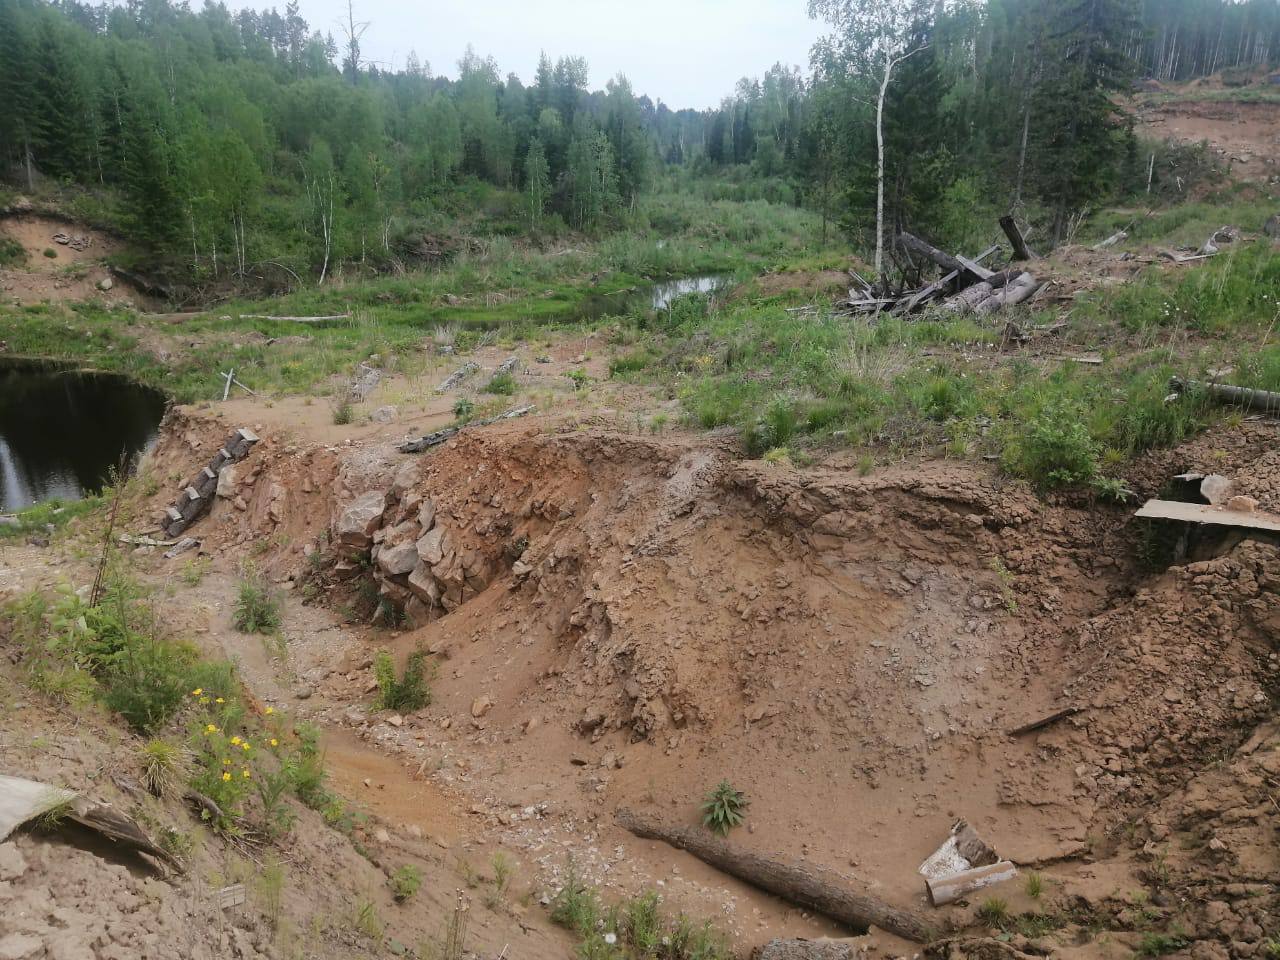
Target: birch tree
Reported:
[(874, 37)]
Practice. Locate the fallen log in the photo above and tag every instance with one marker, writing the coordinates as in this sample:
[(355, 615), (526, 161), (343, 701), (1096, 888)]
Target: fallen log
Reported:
[(822, 890), (1112, 240), (457, 377), (913, 244), (1016, 240), (928, 292), (1014, 292), (440, 436), (264, 316), (967, 299), (1247, 397)]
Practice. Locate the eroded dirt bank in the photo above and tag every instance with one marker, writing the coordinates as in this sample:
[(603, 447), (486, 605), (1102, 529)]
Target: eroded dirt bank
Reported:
[(625, 621)]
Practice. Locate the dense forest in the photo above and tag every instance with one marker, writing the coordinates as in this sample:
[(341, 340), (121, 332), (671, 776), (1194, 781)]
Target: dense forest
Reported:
[(218, 139)]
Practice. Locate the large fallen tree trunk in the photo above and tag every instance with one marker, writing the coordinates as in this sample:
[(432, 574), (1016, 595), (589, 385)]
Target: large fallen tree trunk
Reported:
[(824, 891), (1246, 397), (967, 299), (1015, 291)]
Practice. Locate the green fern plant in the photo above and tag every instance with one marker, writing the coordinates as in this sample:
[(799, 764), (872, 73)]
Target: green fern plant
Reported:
[(724, 808)]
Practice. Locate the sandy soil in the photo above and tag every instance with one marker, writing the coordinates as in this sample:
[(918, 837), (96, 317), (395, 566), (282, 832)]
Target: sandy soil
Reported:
[(72, 273), (1245, 136), (850, 651)]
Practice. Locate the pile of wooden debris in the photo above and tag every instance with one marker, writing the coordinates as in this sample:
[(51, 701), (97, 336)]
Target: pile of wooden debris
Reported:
[(966, 286)]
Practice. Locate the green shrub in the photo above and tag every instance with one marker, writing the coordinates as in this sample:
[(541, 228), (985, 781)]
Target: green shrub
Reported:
[(51, 253), (405, 882), (343, 413), (1057, 449), (724, 808), (576, 907), (257, 606), (629, 363), (12, 252), (501, 383), (144, 677), (463, 408), (410, 691)]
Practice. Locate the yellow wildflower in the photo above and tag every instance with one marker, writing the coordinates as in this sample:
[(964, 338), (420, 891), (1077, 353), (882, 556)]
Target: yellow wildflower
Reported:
[(197, 691), (235, 741), (275, 742), (270, 711), (226, 776), (226, 761), (219, 700), (204, 700), (245, 773), (210, 728), (245, 745)]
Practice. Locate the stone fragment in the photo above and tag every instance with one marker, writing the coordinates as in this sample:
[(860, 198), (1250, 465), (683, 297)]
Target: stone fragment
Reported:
[(12, 863), (435, 545), (480, 706), (399, 559), (359, 519), (20, 946)]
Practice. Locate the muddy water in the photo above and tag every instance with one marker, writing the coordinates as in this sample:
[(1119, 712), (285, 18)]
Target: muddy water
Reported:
[(62, 431)]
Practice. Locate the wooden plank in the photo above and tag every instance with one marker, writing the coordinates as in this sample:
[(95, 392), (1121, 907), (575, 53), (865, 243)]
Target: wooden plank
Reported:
[(975, 268), (1210, 514), (949, 889), (231, 896)]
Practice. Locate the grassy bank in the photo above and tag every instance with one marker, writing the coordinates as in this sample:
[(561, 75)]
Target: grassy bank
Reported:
[(793, 381), (517, 292)]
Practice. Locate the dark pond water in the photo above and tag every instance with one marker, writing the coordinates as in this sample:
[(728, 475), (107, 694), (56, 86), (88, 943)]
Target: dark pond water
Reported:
[(656, 296), (61, 431)]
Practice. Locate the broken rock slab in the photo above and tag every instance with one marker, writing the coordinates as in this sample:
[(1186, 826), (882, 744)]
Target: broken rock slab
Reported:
[(358, 521)]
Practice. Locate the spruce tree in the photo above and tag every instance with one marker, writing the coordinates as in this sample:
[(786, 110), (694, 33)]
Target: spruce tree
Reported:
[(1077, 128)]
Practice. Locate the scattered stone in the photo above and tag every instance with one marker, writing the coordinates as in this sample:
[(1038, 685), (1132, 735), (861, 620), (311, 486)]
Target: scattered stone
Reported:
[(384, 414), (1272, 227), (105, 284), (395, 720), (530, 725), (1242, 504), (304, 692), (480, 706), (12, 863), (20, 946), (381, 835)]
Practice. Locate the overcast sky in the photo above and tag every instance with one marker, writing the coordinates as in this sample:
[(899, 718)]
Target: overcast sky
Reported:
[(689, 53)]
